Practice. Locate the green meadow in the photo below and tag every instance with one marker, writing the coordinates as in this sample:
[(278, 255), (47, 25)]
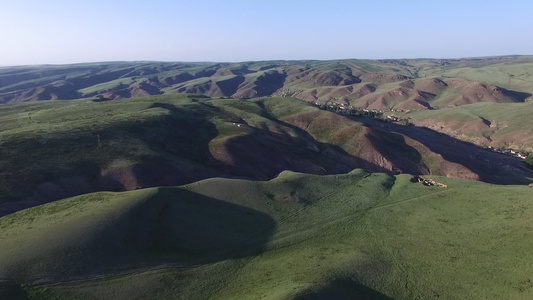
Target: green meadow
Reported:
[(296, 236)]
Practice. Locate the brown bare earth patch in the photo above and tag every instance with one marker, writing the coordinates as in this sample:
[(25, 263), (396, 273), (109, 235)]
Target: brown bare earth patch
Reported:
[(451, 169), (295, 73), (307, 96), (334, 92), (326, 122), (327, 78), (124, 177), (430, 85), (363, 91), (138, 92), (405, 98), (264, 85), (518, 139), (262, 157), (410, 84), (211, 88), (303, 121), (409, 149), (218, 149), (473, 92), (205, 88), (373, 149), (223, 72), (454, 127)]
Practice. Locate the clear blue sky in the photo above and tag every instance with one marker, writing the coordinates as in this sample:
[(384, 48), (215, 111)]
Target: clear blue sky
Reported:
[(57, 31)]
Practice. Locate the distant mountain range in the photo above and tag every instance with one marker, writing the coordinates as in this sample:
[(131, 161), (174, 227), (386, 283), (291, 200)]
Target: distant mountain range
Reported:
[(431, 90), (372, 84)]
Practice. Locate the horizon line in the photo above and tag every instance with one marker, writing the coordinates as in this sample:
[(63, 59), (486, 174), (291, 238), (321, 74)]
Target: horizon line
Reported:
[(252, 61)]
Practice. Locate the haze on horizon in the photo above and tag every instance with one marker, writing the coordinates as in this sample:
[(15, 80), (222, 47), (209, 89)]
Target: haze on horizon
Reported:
[(60, 32)]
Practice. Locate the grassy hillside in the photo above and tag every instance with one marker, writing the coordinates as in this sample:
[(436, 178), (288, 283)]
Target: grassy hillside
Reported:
[(294, 237), (390, 86), (489, 124), (256, 194), (373, 84), (56, 149), (514, 73)]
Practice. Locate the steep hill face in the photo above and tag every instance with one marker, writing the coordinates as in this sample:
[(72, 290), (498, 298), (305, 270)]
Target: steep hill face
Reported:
[(76, 147)]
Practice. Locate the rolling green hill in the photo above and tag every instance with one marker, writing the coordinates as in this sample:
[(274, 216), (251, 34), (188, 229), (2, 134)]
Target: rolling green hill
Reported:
[(390, 86), (372, 84), (56, 149), (294, 237), (489, 124), (267, 180)]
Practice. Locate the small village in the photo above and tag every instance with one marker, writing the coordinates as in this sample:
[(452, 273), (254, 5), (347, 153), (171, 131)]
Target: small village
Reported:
[(511, 152), (343, 108)]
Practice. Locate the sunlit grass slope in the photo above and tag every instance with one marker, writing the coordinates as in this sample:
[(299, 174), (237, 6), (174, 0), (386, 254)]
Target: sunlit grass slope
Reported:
[(294, 237), (494, 124), (515, 74)]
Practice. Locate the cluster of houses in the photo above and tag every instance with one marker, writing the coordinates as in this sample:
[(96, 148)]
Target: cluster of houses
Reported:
[(510, 152), (380, 114), (394, 118), (400, 110), (371, 113)]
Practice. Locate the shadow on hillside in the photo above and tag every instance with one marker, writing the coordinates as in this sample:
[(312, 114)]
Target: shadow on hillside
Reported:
[(344, 289), (264, 154), (96, 76), (518, 96), (12, 291), (424, 103), (181, 227), (86, 161), (150, 89), (230, 86), (198, 228), (176, 227), (403, 157), (268, 83), (489, 166), (80, 162)]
